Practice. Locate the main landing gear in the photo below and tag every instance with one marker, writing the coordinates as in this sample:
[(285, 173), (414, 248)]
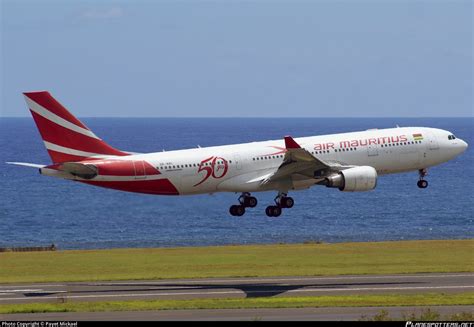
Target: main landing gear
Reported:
[(246, 201), (281, 201), (422, 183)]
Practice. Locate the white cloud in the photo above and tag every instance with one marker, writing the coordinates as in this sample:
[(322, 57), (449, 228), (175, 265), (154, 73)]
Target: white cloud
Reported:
[(109, 13)]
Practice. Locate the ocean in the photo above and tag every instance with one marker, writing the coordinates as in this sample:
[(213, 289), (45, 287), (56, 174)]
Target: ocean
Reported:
[(37, 210)]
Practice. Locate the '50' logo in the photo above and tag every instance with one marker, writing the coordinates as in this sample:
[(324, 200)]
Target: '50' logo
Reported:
[(214, 166)]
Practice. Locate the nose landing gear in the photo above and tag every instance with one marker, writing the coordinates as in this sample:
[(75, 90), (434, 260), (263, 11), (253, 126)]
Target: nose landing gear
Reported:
[(246, 201), (422, 183), (281, 201)]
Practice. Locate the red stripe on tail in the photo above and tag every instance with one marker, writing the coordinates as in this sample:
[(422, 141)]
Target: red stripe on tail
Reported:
[(53, 131), (59, 157), (45, 100), (59, 135)]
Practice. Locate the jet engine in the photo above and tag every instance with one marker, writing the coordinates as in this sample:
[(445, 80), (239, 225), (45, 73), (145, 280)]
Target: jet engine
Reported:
[(357, 179)]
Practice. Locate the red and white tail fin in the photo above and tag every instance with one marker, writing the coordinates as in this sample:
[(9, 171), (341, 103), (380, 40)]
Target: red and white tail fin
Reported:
[(65, 137)]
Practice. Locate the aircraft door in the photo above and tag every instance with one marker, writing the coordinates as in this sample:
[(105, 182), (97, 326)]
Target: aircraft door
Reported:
[(372, 150), (432, 141), (237, 161), (139, 166)]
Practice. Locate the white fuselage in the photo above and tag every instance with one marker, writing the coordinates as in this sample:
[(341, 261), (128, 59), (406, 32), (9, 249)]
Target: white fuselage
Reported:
[(233, 168)]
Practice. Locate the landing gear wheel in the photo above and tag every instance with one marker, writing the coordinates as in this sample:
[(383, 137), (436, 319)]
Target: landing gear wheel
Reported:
[(268, 211), (237, 210), (287, 202), (250, 201), (422, 183), (273, 211), (276, 211), (247, 200)]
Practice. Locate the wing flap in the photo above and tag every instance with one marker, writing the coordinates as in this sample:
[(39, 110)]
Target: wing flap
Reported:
[(297, 160)]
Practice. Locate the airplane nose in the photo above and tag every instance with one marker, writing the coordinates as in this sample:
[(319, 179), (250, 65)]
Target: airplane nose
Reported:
[(459, 146)]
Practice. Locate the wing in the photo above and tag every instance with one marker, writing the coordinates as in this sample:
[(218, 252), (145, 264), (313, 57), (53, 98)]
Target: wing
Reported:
[(299, 161)]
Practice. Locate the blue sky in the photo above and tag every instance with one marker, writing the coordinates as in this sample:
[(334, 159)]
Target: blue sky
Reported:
[(240, 58)]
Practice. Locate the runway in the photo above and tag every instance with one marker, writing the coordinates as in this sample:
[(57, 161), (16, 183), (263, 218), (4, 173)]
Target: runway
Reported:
[(236, 287)]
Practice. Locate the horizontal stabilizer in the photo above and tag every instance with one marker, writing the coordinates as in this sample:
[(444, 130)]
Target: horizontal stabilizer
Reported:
[(26, 164)]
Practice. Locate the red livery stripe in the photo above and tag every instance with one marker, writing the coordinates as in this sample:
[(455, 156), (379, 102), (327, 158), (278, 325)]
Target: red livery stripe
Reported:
[(63, 157), (45, 100), (65, 137), (150, 170), (124, 168), (115, 168), (156, 186)]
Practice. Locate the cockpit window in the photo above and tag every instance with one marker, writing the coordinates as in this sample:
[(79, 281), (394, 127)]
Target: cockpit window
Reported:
[(451, 137)]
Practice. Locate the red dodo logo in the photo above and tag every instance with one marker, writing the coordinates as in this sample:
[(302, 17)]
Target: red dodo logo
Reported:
[(213, 166)]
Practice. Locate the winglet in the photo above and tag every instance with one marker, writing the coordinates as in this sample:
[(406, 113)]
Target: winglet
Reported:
[(290, 143)]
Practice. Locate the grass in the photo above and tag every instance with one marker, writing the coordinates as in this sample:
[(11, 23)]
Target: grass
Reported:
[(239, 261), (431, 299), (425, 315)]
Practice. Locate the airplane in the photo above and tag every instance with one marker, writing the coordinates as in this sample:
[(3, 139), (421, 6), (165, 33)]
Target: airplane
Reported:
[(350, 162)]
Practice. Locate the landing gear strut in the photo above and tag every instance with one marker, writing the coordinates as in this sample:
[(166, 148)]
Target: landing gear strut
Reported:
[(246, 201), (422, 183), (281, 201)]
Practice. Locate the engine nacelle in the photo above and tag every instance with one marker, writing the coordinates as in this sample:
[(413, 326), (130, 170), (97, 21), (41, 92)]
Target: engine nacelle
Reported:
[(357, 179)]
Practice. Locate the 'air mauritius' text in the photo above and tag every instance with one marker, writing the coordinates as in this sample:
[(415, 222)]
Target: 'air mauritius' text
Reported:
[(362, 142)]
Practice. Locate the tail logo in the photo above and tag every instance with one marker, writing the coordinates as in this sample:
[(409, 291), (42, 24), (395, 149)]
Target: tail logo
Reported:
[(66, 138)]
